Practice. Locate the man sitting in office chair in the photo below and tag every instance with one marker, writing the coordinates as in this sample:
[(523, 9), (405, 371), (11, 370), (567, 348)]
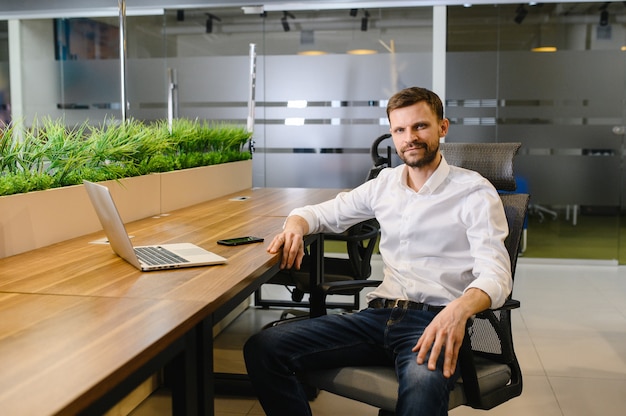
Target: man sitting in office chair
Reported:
[(442, 245)]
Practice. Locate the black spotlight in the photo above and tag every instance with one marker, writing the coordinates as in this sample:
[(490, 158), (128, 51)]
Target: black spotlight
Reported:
[(284, 22), (353, 12), (604, 18), (520, 14), (365, 20), (209, 22), (180, 15)]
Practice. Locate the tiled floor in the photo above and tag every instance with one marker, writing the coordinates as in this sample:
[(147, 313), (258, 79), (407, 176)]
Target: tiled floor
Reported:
[(569, 334)]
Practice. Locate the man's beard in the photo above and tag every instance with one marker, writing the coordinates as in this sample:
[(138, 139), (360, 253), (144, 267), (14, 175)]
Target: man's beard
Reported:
[(429, 156)]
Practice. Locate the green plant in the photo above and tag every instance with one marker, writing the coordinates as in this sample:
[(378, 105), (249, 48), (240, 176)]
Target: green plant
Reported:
[(24, 182), (51, 154)]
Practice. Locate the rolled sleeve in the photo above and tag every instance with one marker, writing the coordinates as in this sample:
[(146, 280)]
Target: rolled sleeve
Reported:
[(336, 215), (495, 287)]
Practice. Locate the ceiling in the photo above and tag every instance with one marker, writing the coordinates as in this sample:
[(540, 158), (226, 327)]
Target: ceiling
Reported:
[(481, 27), (23, 9)]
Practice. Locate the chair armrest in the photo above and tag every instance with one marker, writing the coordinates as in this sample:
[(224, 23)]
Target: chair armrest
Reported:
[(329, 288), (509, 304), (368, 232)]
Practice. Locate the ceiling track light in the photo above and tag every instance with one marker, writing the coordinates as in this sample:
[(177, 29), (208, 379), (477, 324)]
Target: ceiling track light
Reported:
[(604, 14), (520, 14), (284, 22), (209, 22), (365, 20), (180, 15), (604, 18)]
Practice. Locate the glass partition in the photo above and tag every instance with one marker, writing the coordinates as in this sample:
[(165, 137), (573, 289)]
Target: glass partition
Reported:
[(319, 105), (322, 81), (549, 76), (71, 69)]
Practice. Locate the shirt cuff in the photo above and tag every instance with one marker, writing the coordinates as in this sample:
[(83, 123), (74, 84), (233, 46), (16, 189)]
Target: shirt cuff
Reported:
[(491, 288), (308, 217)]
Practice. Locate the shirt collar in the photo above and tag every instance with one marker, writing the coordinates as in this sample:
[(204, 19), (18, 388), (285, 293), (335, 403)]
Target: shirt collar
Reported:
[(436, 179)]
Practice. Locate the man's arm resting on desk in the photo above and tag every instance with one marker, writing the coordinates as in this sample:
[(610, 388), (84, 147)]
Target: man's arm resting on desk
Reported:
[(447, 329), (291, 241)]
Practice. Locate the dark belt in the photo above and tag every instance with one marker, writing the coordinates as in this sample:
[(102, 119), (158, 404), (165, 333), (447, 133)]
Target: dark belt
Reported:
[(379, 303)]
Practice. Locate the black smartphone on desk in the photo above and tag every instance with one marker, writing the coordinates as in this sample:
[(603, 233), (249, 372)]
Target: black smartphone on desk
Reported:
[(239, 241)]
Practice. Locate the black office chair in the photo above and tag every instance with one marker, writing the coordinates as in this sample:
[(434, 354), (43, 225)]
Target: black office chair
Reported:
[(380, 162), (490, 373), (360, 241)]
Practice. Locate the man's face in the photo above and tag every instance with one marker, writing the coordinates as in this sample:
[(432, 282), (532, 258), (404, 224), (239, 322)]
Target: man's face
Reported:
[(416, 132)]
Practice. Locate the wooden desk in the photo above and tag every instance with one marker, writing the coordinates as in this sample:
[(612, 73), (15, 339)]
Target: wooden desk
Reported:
[(269, 201), (77, 267), (88, 277), (64, 354)]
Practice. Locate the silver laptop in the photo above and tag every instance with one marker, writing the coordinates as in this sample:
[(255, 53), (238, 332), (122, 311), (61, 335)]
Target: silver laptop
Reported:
[(145, 258)]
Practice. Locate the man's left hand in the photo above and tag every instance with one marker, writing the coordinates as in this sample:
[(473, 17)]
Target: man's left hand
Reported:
[(446, 331)]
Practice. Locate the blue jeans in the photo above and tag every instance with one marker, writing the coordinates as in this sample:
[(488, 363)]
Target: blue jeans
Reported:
[(369, 337)]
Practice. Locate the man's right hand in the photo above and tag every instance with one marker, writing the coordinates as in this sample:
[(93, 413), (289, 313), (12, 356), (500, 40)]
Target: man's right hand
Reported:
[(291, 241)]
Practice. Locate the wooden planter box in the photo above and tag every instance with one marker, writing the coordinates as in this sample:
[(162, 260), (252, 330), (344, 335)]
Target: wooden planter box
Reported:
[(188, 187), (37, 219)]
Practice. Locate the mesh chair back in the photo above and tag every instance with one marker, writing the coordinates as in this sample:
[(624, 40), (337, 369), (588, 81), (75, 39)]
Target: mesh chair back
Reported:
[(515, 207), (492, 160)]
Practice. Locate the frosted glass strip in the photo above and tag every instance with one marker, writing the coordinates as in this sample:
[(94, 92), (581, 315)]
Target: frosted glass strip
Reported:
[(562, 107), (316, 171)]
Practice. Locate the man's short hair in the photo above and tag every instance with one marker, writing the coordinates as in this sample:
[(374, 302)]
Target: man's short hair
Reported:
[(413, 95)]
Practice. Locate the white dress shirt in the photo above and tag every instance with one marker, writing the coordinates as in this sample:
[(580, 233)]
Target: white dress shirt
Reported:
[(435, 243)]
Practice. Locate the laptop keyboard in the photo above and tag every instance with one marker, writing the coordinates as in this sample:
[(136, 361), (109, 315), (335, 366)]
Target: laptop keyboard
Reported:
[(155, 256)]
